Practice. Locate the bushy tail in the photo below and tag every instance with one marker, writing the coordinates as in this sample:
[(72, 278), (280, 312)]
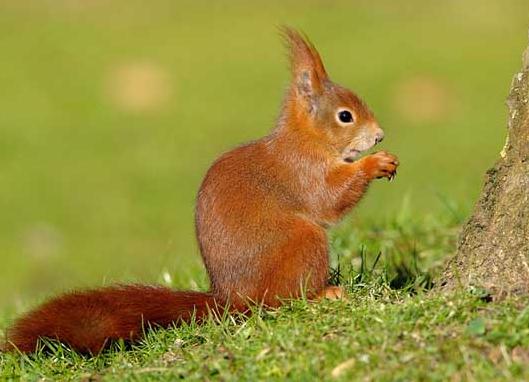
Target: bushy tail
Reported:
[(89, 320)]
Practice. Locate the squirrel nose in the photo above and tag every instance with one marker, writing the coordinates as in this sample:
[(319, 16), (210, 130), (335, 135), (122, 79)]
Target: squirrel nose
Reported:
[(379, 137)]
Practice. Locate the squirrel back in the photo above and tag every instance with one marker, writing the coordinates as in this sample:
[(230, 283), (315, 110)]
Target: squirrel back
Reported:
[(261, 215)]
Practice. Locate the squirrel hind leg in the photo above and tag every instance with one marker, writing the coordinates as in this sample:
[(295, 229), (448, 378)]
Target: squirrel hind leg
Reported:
[(298, 267)]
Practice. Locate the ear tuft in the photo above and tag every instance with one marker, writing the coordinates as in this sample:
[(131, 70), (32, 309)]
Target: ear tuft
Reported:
[(308, 73), (304, 58)]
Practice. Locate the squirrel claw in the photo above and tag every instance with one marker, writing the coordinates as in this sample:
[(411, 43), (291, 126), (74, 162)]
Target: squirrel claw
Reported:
[(382, 165)]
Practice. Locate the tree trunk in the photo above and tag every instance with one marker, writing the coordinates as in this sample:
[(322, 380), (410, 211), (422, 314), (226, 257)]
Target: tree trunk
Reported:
[(493, 249)]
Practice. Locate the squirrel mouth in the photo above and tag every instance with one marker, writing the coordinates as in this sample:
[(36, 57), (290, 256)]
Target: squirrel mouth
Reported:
[(351, 155)]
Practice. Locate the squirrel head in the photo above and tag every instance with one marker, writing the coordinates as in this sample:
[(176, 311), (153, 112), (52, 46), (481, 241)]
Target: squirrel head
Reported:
[(315, 105)]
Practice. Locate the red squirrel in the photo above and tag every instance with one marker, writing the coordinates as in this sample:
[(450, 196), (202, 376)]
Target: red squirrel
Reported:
[(261, 217)]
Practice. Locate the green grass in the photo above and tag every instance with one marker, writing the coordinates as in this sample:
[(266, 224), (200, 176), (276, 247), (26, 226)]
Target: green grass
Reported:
[(391, 327), (378, 334)]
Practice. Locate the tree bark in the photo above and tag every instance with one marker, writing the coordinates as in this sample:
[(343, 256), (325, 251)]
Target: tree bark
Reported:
[(493, 248)]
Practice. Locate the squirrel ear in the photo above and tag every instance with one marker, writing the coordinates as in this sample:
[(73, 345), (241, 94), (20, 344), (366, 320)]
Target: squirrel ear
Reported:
[(308, 73)]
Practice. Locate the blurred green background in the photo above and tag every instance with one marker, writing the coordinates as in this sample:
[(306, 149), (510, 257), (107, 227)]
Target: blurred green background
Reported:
[(111, 112)]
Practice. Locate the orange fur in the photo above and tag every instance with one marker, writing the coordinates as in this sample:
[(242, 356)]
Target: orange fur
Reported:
[(261, 215)]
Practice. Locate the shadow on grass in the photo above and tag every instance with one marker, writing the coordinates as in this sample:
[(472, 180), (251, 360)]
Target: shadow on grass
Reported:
[(396, 274)]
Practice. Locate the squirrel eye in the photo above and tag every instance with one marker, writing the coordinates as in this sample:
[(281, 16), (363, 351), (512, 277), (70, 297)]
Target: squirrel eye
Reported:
[(345, 116)]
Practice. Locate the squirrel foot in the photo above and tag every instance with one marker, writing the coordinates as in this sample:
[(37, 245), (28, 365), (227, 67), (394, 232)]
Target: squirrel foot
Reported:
[(333, 293)]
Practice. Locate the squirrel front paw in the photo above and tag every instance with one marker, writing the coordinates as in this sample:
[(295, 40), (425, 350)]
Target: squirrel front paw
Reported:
[(381, 165)]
